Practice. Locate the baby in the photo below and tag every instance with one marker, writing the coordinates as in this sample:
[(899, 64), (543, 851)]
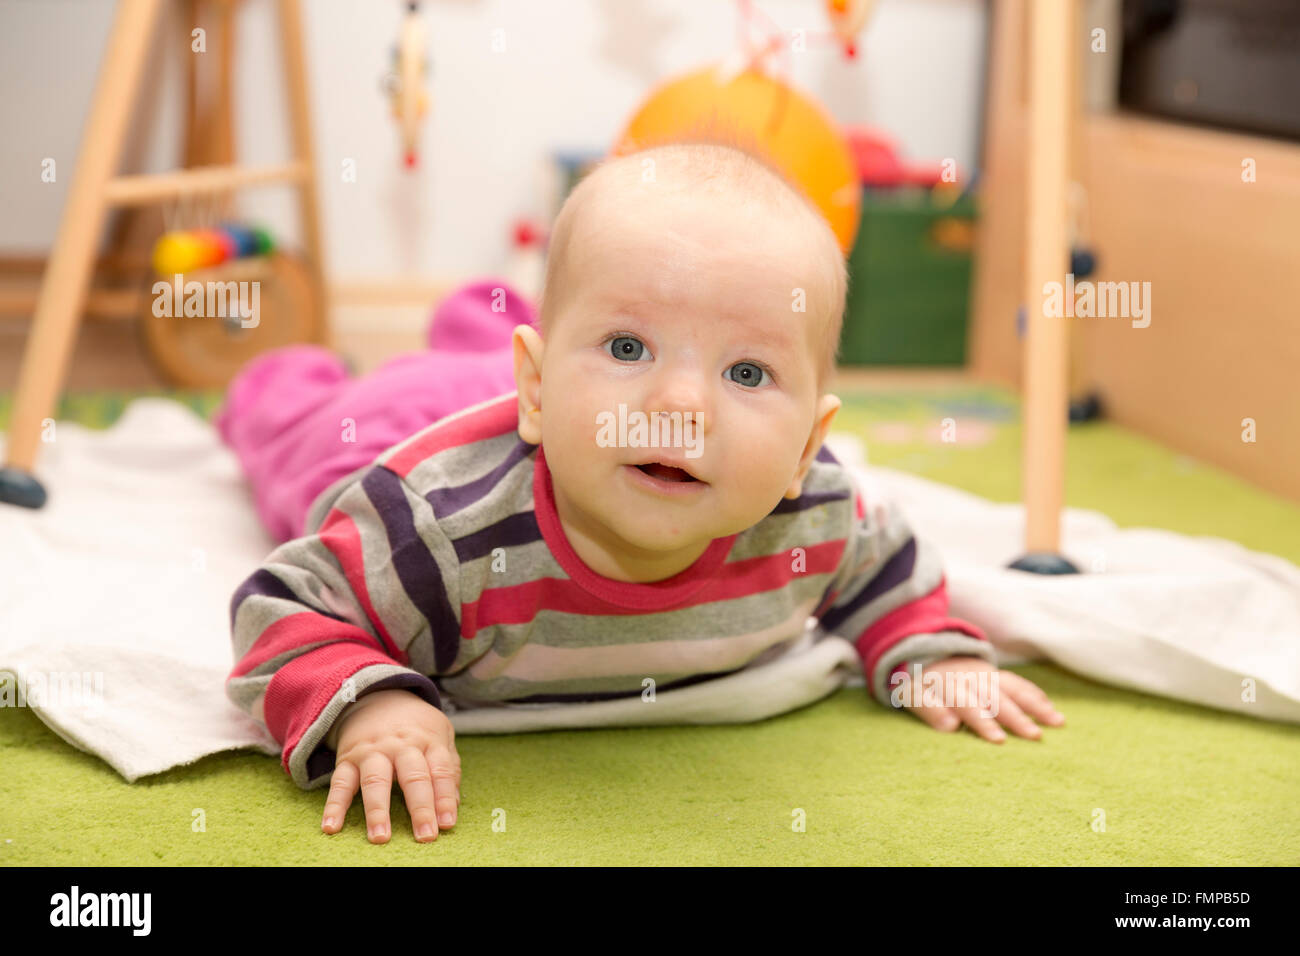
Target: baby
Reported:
[(527, 550)]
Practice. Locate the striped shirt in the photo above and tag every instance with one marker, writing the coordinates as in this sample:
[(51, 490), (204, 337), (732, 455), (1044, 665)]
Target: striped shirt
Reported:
[(442, 567)]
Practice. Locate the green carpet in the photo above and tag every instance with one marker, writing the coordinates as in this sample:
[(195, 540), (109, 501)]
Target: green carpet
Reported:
[(1177, 784)]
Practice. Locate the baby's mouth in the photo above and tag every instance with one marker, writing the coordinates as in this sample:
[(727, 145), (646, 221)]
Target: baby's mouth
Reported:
[(666, 472)]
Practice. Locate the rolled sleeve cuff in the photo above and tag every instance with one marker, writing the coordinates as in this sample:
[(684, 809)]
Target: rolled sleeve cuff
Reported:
[(311, 761)]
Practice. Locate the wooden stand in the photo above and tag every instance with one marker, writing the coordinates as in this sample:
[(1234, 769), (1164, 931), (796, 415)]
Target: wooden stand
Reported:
[(1052, 41), (95, 188)]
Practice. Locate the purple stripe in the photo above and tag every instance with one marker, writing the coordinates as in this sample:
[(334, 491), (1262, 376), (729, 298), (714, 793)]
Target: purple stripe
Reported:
[(414, 563), (824, 454), (809, 500), (262, 583), (896, 570), (447, 501), (512, 532), (617, 694)]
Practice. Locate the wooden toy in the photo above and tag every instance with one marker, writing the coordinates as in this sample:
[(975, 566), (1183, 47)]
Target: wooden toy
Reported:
[(192, 352), (405, 83), (848, 17), (183, 250)]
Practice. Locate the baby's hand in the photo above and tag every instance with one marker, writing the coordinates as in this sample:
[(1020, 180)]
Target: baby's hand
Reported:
[(1002, 695), (391, 730)]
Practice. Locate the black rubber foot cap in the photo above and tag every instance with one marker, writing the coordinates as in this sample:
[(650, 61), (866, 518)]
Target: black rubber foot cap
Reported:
[(21, 489), (1086, 409), (1043, 562)]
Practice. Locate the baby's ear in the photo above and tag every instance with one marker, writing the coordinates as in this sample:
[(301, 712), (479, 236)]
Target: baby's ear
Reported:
[(826, 409), (528, 350), (827, 406)]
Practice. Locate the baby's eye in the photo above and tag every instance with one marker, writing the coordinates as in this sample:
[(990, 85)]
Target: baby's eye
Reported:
[(626, 348), (747, 373)]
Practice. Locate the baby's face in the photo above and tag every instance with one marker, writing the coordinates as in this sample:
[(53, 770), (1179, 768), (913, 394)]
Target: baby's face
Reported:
[(684, 307)]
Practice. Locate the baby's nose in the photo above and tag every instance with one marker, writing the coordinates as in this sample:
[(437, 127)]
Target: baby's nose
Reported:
[(688, 416)]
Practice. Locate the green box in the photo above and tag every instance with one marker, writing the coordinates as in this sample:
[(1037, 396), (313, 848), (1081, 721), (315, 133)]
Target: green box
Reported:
[(909, 280)]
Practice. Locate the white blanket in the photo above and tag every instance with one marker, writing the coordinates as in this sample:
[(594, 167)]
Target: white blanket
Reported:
[(114, 604)]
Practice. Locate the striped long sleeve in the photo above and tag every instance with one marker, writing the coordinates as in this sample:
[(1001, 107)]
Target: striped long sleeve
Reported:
[(889, 596), (339, 613)]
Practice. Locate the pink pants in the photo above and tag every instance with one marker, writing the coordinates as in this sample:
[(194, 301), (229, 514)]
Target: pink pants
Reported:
[(298, 422)]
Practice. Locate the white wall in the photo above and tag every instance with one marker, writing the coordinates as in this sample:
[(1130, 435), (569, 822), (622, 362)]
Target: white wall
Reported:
[(571, 74)]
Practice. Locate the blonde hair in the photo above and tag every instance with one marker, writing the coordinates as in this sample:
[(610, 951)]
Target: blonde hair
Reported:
[(711, 168)]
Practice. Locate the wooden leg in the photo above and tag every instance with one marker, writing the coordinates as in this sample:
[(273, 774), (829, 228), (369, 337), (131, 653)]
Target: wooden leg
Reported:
[(1051, 47), (64, 285), (295, 67)]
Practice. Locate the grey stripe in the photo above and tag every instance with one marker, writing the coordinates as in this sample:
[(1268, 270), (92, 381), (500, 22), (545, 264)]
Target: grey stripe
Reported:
[(308, 571), (324, 502), (448, 500), (531, 667), (462, 464), (513, 494)]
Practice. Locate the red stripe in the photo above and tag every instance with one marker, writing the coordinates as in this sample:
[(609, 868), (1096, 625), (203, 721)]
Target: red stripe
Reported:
[(499, 416), (299, 691), (521, 603), (860, 506), (339, 533), (299, 630), (925, 615)]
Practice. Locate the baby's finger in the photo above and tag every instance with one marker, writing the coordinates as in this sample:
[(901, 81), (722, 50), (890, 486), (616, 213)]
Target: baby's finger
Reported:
[(1030, 697), (376, 792), (985, 727), (444, 763), (1013, 718), (455, 759), (343, 787), (937, 716), (417, 787)]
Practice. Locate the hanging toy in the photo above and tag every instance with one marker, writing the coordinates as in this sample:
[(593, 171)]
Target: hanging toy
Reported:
[(786, 128), (847, 19), (184, 250), (405, 81)]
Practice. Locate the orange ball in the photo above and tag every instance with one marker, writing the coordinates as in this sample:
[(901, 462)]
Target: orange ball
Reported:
[(759, 113), (212, 246)]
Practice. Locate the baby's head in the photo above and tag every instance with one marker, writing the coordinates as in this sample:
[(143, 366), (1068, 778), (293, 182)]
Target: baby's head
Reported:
[(689, 280)]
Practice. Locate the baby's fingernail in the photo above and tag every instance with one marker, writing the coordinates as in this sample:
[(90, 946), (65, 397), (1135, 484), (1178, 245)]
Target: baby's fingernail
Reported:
[(379, 831), (426, 830), (329, 823), (446, 819), (997, 736)]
